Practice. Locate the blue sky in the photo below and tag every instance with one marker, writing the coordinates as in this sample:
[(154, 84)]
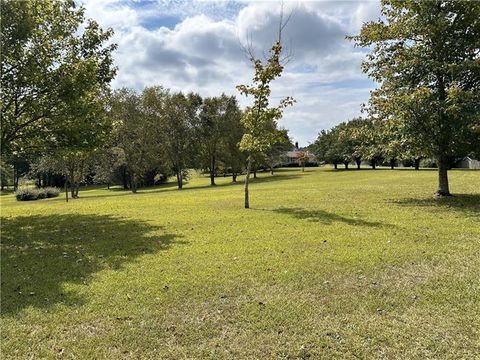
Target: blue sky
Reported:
[(197, 46)]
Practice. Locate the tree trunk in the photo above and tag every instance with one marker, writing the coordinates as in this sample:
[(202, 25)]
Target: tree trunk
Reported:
[(15, 176), (134, 185), (271, 170), (66, 189), (392, 163), (255, 173), (247, 178), (346, 165), (124, 178), (77, 189), (179, 179), (359, 162), (108, 186), (234, 177), (335, 166), (212, 170), (443, 189), (374, 164), (72, 185), (417, 163)]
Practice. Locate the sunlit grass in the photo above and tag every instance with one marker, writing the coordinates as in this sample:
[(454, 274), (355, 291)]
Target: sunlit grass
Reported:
[(326, 264)]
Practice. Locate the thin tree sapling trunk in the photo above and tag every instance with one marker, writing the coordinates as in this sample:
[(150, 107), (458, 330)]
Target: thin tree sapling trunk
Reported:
[(359, 162)]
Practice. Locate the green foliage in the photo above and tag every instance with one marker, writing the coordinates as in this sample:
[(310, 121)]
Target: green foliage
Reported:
[(219, 125), (51, 192), (425, 56), (177, 131), (55, 72), (27, 194), (259, 119)]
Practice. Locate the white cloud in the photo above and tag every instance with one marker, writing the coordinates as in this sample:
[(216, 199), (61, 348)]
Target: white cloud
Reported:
[(202, 52)]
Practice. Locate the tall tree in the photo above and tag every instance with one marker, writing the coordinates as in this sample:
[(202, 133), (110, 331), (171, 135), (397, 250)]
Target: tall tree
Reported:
[(135, 135), (178, 131), (233, 158), (215, 122), (426, 57), (53, 65)]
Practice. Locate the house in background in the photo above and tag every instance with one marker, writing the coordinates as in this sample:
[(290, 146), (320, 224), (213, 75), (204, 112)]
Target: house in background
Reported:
[(467, 163), (291, 157)]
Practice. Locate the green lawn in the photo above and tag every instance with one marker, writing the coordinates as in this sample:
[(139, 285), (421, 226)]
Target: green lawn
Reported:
[(326, 264)]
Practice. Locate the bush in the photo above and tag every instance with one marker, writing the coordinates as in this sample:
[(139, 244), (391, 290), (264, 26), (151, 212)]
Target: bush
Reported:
[(51, 192), (28, 194), (41, 194)]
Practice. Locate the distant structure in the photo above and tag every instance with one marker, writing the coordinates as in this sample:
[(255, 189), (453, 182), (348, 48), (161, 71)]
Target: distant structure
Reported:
[(467, 163), (291, 157)]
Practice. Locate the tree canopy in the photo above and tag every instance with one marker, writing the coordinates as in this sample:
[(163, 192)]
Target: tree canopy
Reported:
[(425, 56)]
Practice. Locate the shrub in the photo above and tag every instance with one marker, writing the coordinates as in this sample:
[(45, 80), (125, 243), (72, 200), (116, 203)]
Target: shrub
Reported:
[(41, 194), (51, 192), (26, 194)]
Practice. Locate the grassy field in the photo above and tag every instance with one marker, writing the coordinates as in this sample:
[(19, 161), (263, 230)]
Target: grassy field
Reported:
[(326, 264)]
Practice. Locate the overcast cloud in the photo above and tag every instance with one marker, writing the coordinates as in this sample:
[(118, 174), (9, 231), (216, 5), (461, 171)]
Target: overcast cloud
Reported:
[(196, 46)]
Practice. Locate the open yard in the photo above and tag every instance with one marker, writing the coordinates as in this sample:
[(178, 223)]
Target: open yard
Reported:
[(348, 264)]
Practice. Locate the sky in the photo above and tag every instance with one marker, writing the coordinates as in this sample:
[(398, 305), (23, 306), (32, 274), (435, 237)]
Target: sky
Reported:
[(199, 46)]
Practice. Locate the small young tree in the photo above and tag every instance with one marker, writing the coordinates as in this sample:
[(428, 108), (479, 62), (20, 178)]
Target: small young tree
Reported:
[(259, 119), (302, 158)]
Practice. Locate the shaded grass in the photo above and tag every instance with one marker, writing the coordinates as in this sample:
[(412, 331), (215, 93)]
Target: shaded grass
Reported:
[(330, 265)]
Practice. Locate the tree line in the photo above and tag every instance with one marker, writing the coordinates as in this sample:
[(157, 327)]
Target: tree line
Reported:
[(63, 125), (155, 134), (362, 140)]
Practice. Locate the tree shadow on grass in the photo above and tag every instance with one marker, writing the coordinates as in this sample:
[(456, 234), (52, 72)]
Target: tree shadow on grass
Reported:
[(325, 217), (41, 253), (171, 185), (469, 204)]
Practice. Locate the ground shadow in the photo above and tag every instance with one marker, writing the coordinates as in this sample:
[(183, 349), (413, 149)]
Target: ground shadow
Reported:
[(325, 217), (40, 253), (168, 186), (468, 204)]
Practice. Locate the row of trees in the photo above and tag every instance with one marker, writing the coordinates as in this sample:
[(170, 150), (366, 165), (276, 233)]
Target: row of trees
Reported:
[(363, 140), (156, 134), (61, 123)]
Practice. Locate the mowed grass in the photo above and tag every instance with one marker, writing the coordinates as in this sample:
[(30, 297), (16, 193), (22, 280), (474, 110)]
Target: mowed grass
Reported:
[(326, 264)]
